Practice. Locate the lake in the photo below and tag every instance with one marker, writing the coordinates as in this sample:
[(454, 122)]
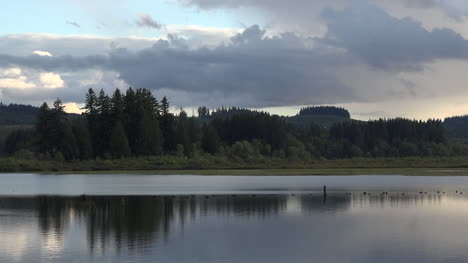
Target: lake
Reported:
[(144, 218)]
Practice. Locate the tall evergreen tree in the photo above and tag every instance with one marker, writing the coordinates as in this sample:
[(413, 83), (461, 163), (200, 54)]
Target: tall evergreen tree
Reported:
[(83, 139), (90, 103), (104, 125), (149, 140), (54, 134), (168, 127), (44, 139), (117, 107), (164, 106), (119, 147), (210, 140)]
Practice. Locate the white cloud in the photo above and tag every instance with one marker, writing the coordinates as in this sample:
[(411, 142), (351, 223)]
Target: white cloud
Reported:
[(51, 80), (72, 107), (42, 53), (93, 77), (20, 82), (203, 36), (11, 72)]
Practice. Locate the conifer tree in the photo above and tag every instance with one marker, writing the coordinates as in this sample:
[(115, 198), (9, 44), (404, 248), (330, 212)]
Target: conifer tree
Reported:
[(149, 140), (119, 147)]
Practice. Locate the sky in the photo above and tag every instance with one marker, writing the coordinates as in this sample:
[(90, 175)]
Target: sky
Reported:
[(377, 58)]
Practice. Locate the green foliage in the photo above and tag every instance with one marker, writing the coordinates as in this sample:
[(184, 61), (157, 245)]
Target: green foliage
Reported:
[(83, 139), (14, 114), (149, 140), (325, 110), (18, 140), (457, 127), (136, 129), (244, 150), (119, 142), (210, 139)]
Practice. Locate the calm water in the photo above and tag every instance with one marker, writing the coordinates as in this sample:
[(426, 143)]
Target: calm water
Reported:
[(232, 219)]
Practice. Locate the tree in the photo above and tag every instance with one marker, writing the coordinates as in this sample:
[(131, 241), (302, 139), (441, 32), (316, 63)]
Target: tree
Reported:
[(83, 139), (168, 127), (117, 107), (44, 139), (18, 140), (90, 103), (164, 106), (54, 134), (103, 127), (119, 147), (210, 139), (149, 140)]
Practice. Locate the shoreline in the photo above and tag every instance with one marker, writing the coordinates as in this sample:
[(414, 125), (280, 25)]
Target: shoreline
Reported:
[(216, 165), (276, 172)]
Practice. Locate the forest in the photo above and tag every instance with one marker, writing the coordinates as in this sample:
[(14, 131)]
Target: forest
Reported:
[(135, 124)]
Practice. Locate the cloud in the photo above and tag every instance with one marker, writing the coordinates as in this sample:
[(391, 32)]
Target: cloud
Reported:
[(303, 16), (254, 70), (42, 53), (20, 82), (11, 72), (360, 58), (145, 20), (453, 8), (51, 80), (82, 45), (387, 42), (73, 23), (72, 107), (198, 36), (13, 78)]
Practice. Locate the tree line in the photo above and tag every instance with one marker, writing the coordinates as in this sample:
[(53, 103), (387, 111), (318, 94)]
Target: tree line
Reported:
[(15, 114), (137, 124), (325, 110)]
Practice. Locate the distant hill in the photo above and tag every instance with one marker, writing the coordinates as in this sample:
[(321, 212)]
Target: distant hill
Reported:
[(457, 126), (324, 116), (16, 114), (322, 120), (325, 111), (21, 115)]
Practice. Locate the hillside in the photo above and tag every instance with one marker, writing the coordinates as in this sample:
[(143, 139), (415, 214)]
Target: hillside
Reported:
[(16, 114), (325, 121), (324, 116), (457, 126)]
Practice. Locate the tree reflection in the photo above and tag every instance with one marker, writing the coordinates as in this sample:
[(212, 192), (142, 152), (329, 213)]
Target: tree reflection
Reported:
[(137, 222)]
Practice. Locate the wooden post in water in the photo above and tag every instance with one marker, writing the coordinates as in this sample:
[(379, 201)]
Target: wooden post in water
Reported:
[(324, 194)]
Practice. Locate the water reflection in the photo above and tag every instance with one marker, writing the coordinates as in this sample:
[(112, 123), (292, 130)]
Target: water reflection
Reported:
[(216, 228)]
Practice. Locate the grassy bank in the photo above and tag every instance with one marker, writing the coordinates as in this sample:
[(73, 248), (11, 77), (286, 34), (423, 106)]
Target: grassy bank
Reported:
[(218, 165)]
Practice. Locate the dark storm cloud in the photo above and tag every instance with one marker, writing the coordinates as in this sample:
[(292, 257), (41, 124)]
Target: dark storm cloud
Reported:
[(383, 41)]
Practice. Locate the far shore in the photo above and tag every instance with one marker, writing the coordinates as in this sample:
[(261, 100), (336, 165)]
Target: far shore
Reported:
[(286, 172), (218, 165)]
